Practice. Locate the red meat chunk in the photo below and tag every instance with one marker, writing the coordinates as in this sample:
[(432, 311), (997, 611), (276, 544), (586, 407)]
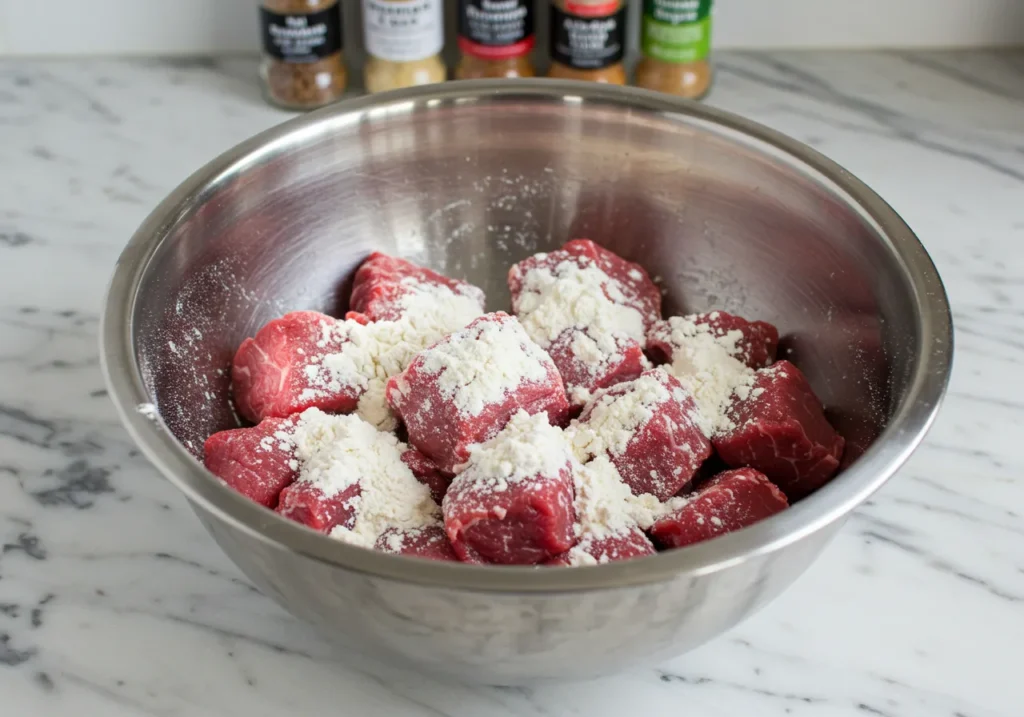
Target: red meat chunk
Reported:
[(427, 473), (599, 370), (357, 317), (524, 525), (781, 430), (590, 309), (383, 283), (258, 462), (729, 501), (430, 542), (305, 503), (632, 285), (606, 549), (269, 375), (646, 428), (464, 389), (755, 343), (514, 501)]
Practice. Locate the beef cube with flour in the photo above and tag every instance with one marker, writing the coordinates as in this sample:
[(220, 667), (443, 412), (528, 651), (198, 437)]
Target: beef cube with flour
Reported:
[(512, 502), (779, 428), (318, 508), (310, 360), (648, 429), (270, 376), (755, 343), (632, 543), (589, 361), (463, 389), (427, 473), (610, 519), (729, 501), (352, 483), (590, 309), (258, 462), (430, 542), (707, 364), (385, 287)]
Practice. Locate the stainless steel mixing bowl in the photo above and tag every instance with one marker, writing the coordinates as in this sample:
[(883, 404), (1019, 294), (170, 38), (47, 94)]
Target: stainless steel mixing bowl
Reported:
[(468, 178)]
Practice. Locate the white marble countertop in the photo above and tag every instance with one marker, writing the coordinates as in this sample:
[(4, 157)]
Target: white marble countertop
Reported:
[(114, 601)]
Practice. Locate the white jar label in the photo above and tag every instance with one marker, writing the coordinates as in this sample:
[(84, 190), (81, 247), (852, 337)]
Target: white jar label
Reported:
[(403, 30)]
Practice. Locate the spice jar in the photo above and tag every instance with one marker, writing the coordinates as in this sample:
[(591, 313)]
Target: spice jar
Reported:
[(675, 39), (588, 40), (404, 39), (495, 39), (302, 66)]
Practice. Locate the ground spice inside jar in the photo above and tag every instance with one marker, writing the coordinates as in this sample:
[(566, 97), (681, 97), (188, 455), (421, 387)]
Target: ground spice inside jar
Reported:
[(495, 39), (675, 39), (404, 39), (588, 40), (303, 66)]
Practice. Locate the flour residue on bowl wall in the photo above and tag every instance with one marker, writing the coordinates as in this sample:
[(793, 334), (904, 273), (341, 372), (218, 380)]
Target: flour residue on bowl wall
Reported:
[(186, 362)]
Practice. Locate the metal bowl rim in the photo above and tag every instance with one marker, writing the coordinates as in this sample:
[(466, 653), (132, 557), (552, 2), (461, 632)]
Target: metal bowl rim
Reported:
[(832, 503)]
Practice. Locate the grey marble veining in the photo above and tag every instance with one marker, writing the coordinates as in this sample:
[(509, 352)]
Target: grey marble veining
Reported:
[(113, 600)]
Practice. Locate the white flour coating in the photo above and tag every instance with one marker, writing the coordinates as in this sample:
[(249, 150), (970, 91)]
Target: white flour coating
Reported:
[(527, 448), (395, 541), (591, 551), (707, 367), (334, 452), (365, 357), (592, 363), (582, 554), (614, 416), (150, 411), (605, 506), (568, 296), (480, 365)]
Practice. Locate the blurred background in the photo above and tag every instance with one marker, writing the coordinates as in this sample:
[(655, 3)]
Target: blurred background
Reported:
[(149, 27)]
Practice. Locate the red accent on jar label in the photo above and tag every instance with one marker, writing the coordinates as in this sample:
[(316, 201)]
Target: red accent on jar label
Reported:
[(583, 9), (490, 52)]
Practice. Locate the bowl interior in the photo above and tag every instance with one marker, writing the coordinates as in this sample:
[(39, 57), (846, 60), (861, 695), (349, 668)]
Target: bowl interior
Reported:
[(722, 219)]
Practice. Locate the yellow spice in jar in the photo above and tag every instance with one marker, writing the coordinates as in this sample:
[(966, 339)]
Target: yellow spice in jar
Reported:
[(404, 39)]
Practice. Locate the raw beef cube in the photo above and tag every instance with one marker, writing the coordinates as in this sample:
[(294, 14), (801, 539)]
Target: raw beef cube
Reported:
[(361, 319), (585, 368), (647, 430), (636, 285), (258, 462), (593, 550), (590, 309), (270, 374), (706, 364), (780, 429), (729, 501), (463, 389), (430, 542), (305, 503), (386, 286), (755, 343), (353, 484), (624, 282), (427, 473), (513, 501)]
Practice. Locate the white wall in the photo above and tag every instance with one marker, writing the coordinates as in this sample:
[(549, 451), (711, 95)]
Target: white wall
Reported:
[(75, 27)]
